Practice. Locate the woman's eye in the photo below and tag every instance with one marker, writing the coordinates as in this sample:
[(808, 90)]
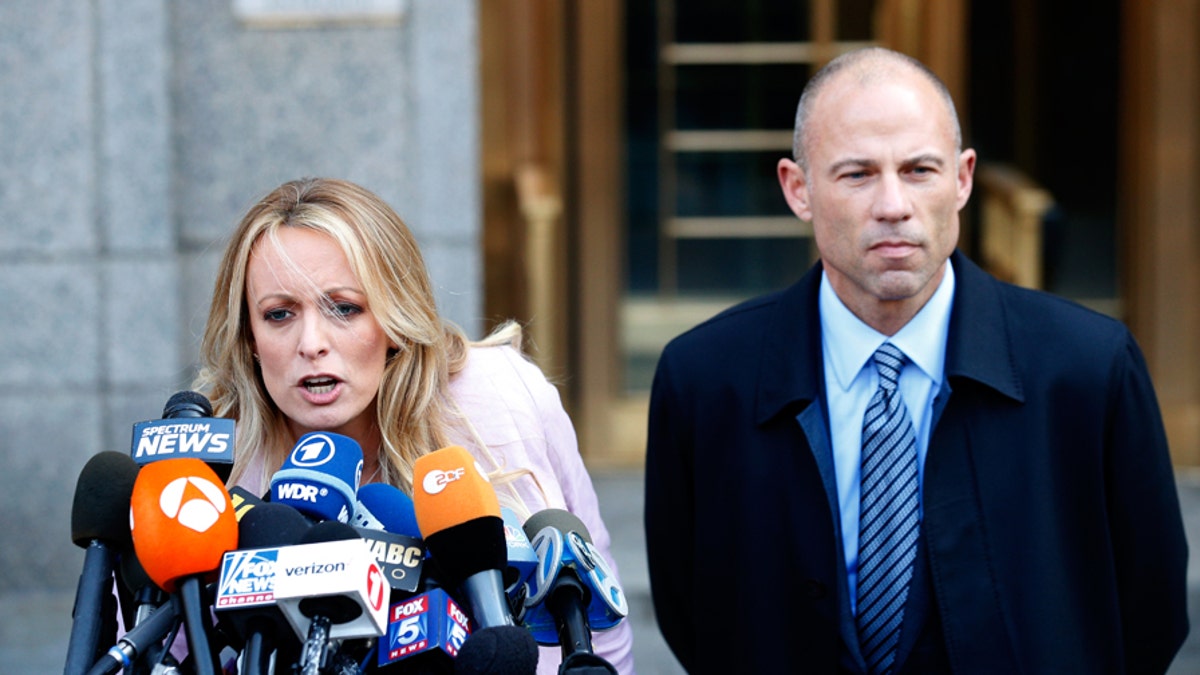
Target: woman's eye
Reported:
[(276, 314), (345, 309)]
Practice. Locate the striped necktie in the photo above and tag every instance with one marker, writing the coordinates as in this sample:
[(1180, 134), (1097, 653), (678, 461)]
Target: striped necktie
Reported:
[(889, 517)]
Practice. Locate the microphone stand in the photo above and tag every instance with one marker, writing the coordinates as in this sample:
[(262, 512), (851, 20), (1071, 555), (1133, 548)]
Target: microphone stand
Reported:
[(566, 605), (312, 657)]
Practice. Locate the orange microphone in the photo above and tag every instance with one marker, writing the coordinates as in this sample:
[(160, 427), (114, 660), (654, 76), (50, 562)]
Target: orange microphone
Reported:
[(182, 521), (459, 516)]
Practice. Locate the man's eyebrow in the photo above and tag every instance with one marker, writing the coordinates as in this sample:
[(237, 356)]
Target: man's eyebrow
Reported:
[(852, 162), (927, 158)]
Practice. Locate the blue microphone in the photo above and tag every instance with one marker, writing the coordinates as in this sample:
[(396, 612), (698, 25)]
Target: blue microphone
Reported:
[(385, 518), (385, 507), (573, 591), (320, 478), (522, 559)]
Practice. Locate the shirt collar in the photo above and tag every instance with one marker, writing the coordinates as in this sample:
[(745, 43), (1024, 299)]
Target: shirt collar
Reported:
[(848, 343)]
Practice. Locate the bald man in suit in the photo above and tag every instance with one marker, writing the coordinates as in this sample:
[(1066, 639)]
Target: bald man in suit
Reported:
[(1031, 523)]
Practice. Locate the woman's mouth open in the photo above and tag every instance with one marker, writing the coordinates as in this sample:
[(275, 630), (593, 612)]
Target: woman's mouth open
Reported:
[(320, 389)]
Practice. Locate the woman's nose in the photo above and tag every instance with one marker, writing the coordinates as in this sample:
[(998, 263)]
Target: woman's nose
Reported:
[(314, 335)]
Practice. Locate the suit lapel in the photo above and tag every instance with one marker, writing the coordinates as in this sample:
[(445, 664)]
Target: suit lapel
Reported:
[(791, 378), (979, 357)]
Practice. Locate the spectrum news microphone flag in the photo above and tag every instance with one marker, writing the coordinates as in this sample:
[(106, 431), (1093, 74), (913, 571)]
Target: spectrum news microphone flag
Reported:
[(187, 429)]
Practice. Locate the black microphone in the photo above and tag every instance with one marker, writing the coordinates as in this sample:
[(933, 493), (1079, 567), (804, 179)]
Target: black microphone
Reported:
[(187, 429), (245, 601), (498, 650), (141, 595), (459, 515), (573, 590), (99, 525), (187, 404), (138, 641)]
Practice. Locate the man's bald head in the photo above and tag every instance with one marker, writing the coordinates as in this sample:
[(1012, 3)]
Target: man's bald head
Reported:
[(867, 65)]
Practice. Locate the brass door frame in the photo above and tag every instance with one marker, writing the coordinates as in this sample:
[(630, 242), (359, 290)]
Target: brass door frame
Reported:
[(555, 104), (552, 83)]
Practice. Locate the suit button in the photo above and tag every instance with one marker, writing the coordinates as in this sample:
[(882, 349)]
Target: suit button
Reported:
[(814, 589)]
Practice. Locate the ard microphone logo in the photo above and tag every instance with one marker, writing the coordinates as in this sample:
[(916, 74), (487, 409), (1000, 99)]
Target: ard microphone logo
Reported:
[(195, 502), (317, 450)]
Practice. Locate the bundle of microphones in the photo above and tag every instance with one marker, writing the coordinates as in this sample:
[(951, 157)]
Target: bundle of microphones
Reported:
[(320, 575)]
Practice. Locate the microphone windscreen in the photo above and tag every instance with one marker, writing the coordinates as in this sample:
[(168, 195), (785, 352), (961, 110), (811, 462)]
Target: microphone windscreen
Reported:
[(386, 507), (450, 488), (187, 404), (560, 519), (498, 650), (102, 496), (271, 524), (132, 574), (328, 530), (467, 548), (320, 477), (458, 513), (181, 519)]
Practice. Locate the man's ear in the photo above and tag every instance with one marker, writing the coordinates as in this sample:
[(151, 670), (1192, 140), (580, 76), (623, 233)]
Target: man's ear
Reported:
[(794, 184), (966, 176)]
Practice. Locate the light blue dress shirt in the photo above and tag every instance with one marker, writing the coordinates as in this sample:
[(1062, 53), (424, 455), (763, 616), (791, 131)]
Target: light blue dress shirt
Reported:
[(851, 380)]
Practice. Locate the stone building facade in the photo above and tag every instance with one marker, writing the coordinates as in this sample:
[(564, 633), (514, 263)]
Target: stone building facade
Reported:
[(133, 135)]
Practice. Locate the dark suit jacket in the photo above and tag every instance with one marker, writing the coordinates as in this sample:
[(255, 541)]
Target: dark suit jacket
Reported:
[(1052, 540)]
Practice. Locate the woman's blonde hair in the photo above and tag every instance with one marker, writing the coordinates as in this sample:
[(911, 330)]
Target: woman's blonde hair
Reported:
[(415, 415)]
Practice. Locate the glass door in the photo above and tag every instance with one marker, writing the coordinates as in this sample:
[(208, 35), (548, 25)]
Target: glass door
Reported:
[(711, 93)]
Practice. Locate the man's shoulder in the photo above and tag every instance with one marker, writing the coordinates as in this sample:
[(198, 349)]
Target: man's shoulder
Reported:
[(1040, 310), (1025, 309), (736, 324), (735, 330)]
